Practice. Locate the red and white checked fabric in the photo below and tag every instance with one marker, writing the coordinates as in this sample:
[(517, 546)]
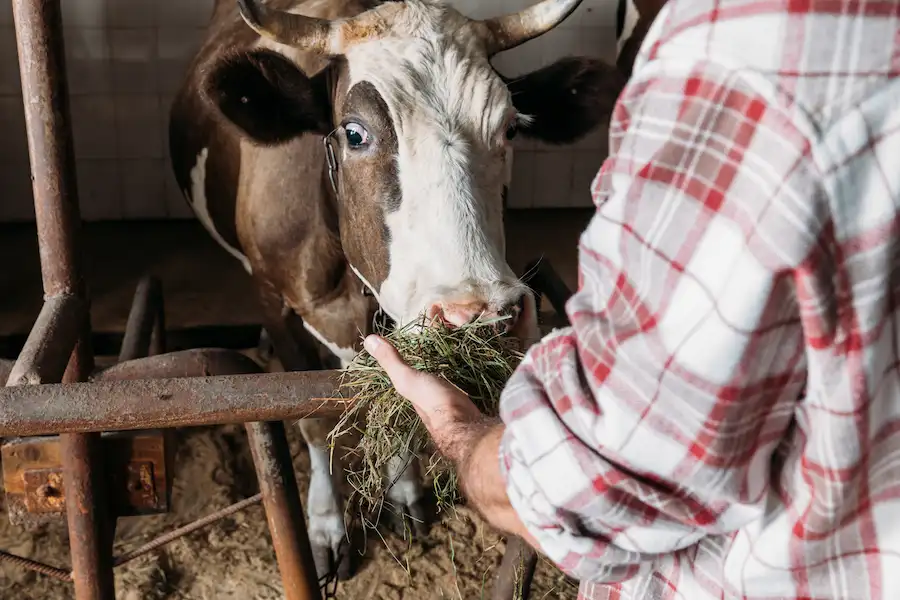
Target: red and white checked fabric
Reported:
[(722, 419)]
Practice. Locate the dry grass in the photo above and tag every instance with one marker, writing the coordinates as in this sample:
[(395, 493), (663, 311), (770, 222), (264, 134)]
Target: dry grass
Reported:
[(474, 357)]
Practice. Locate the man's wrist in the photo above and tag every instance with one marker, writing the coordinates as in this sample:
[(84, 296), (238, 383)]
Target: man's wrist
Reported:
[(483, 485)]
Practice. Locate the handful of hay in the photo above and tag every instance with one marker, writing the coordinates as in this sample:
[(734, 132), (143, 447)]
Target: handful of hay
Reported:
[(474, 357)]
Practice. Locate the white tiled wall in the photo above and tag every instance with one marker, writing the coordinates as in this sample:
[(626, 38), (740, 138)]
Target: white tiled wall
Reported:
[(125, 60)]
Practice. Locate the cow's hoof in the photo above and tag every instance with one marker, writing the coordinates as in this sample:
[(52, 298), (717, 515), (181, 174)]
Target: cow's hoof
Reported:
[(411, 520), (332, 562), (330, 547)]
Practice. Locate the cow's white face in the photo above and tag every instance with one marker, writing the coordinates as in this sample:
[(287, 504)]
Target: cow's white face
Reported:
[(452, 118), (420, 124)]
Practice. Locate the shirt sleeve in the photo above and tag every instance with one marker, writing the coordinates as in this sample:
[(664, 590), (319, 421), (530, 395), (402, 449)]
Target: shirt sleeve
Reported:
[(651, 421)]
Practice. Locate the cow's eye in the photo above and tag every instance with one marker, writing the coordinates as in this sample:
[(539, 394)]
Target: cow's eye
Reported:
[(357, 136), (511, 131)]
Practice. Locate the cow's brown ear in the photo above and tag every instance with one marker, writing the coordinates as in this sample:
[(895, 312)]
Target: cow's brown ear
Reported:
[(566, 100), (268, 97)]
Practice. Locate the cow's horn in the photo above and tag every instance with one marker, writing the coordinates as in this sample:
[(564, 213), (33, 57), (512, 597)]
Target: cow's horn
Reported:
[(508, 31), (287, 28)]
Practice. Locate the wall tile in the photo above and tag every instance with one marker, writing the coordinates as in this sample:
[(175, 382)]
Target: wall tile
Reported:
[(521, 189), (12, 123), (17, 201), (88, 62), (176, 204), (591, 14), (171, 13), (6, 16), (9, 62), (131, 13), (143, 189), (127, 58), (133, 60), (175, 47), (99, 189), (94, 126), (552, 178), (138, 133), (84, 13), (584, 170)]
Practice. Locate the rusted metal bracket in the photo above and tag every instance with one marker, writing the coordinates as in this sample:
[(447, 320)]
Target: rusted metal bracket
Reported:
[(138, 464)]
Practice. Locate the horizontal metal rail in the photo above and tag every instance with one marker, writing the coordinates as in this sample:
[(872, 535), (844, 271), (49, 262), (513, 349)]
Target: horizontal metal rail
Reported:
[(177, 402)]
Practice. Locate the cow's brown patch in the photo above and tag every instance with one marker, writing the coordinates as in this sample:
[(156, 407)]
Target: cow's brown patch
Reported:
[(369, 183)]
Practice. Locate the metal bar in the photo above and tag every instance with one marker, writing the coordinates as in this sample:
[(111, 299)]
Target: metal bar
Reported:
[(284, 511), (90, 538), (47, 120), (160, 403), (516, 571), (33, 565), (108, 343), (39, 38), (545, 280), (201, 362), (142, 319), (6, 367), (158, 335), (50, 343), (186, 529)]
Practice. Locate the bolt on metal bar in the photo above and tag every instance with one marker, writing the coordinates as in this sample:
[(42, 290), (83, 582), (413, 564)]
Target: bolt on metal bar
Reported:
[(187, 529), (33, 565)]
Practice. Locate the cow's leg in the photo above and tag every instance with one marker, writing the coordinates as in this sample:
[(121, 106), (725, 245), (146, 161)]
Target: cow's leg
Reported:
[(327, 533), (406, 496), (327, 530)]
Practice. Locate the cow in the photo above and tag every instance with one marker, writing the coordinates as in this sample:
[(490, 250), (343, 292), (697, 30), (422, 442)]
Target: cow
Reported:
[(354, 156)]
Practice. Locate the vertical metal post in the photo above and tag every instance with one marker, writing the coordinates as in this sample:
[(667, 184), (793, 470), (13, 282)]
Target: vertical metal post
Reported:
[(45, 94), (284, 512)]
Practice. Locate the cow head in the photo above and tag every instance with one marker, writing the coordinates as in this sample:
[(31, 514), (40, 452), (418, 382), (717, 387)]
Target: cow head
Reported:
[(419, 124)]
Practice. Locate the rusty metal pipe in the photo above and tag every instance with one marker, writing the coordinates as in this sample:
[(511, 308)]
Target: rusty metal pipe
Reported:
[(268, 444), (284, 511), (39, 39), (145, 313), (160, 403), (199, 362), (544, 279), (6, 367), (90, 536), (45, 91), (46, 352)]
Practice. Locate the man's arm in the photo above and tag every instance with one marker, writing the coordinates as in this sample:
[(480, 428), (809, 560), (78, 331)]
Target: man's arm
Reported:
[(461, 433), (650, 422)]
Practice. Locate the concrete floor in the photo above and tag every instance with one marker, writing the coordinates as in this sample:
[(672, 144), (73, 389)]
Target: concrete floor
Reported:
[(202, 284)]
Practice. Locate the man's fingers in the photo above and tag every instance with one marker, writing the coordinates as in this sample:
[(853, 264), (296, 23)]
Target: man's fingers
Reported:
[(390, 360)]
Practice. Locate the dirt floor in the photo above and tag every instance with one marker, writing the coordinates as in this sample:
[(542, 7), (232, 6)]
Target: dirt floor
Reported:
[(233, 559)]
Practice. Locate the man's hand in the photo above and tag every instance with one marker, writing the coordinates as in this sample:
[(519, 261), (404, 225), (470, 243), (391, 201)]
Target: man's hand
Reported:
[(453, 421), (460, 432)]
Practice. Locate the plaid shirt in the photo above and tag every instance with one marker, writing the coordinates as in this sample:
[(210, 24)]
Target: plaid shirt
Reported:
[(722, 419)]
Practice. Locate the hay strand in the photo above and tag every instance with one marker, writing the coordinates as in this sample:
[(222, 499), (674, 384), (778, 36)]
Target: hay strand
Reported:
[(475, 358)]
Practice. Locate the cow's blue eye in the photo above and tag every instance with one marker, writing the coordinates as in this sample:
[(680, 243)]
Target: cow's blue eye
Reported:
[(357, 136)]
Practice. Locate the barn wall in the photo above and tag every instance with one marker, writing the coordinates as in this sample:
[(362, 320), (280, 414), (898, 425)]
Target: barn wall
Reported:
[(125, 60)]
